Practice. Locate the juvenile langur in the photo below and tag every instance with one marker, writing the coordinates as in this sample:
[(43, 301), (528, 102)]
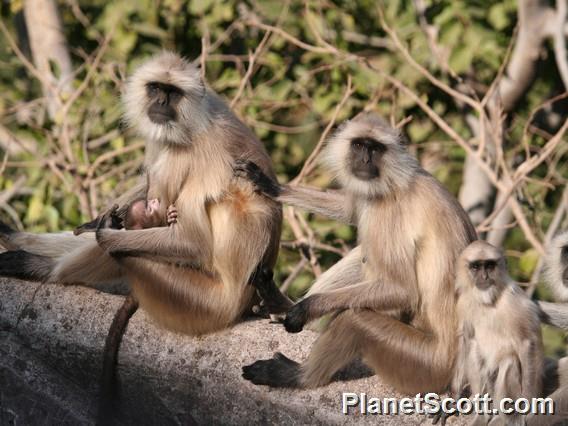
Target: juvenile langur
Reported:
[(500, 350), (223, 231), (556, 278), (392, 297)]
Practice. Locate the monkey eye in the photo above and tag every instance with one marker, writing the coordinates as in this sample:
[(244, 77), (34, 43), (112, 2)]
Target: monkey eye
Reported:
[(357, 145), (475, 266), (152, 89), (490, 265), (564, 253)]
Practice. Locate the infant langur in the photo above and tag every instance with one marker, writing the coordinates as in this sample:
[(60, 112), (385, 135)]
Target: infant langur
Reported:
[(140, 214), (143, 214), (500, 349)]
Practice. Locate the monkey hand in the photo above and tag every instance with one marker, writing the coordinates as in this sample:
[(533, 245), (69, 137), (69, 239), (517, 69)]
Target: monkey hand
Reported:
[(263, 184), (297, 317), (171, 215)]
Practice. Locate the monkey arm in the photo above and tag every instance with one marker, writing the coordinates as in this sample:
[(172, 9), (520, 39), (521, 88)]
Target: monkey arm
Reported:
[(331, 204), (555, 314), (163, 243), (531, 357), (365, 295)]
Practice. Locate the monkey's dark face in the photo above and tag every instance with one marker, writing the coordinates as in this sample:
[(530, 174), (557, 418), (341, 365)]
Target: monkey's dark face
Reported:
[(564, 263), (366, 154), (485, 273), (163, 100)]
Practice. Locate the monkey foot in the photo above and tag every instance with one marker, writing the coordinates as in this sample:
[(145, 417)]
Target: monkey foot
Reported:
[(278, 372), (296, 317)]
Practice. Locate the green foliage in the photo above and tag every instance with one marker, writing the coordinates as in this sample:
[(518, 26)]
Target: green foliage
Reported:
[(291, 97)]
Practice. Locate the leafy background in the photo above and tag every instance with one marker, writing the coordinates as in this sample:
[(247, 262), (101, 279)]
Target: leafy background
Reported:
[(288, 101)]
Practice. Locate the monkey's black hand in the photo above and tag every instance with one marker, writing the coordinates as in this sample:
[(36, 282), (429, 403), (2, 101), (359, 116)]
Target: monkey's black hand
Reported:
[(442, 416), (273, 300), (297, 317), (265, 185)]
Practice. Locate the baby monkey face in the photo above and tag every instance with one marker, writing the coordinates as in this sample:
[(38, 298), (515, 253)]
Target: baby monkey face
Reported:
[(144, 214)]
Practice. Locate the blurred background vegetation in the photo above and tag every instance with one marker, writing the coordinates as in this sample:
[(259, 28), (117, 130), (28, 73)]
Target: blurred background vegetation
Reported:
[(289, 69)]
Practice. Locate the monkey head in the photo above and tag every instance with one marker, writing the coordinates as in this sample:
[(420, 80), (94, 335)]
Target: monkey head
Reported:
[(482, 269), (556, 267), (143, 214), (165, 100), (369, 157)]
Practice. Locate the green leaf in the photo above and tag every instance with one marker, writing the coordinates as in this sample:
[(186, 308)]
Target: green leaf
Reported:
[(497, 16), (528, 261)]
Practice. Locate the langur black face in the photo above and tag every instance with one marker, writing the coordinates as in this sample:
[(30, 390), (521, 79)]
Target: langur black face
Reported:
[(564, 263), (366, 154), (484, 272), (164, 99)]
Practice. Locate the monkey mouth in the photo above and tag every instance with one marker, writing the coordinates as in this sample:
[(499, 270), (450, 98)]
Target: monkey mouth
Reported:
[(160, 118), (366, 174), (485, 284)]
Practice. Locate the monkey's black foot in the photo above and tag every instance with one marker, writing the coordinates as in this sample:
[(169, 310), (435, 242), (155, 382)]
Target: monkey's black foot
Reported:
[(278, 372), (265, 185), (297, 317), (109, 219), (24, 265)]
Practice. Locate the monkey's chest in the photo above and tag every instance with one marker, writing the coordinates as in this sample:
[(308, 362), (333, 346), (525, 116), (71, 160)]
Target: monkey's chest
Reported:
[(167, 178), (487, 334)]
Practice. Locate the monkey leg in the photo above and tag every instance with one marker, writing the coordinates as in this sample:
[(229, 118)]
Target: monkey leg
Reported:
[(405, 357), (62, 258), (560, 398), (321, 365), (49, 244), (108, 390)]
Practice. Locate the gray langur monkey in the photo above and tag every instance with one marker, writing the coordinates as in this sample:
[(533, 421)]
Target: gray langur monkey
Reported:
[(500, 351), (392, 297), (192, 277), (224, 228), (556, 314)]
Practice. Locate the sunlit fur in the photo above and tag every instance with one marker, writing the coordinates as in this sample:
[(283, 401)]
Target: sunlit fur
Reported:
[(192, 277), (397, 165), (500, 350), (554, 267)]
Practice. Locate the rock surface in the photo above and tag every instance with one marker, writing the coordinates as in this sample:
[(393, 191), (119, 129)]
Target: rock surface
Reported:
[(51, 340)]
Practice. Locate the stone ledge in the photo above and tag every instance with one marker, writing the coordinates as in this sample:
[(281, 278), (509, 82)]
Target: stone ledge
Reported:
[(51, 340)]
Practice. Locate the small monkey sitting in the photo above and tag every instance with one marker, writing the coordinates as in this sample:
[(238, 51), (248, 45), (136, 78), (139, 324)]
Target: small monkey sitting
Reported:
[(500, 348)]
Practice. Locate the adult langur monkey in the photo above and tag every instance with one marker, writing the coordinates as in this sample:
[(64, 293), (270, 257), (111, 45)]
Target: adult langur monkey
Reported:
[(500, 351), (392, 296), (192, 277), (556, 278)]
